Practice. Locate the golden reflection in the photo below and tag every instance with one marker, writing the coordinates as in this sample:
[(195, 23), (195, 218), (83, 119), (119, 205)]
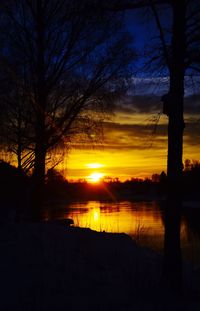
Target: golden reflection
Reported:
[(143, 221), (135, 219), (96, 214)]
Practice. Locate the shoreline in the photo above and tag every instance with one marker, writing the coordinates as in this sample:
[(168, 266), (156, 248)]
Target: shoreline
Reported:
[(47, 264)]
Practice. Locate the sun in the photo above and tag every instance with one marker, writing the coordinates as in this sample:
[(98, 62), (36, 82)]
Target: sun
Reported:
[(95, 177)]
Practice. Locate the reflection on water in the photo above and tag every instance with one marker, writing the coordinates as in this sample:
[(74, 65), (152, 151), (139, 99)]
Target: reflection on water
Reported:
[(128, 217), (141, 220)]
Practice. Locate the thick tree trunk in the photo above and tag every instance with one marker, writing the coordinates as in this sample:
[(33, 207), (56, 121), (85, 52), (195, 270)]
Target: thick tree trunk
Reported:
[(40, 108), (19, 156), (172, 247)]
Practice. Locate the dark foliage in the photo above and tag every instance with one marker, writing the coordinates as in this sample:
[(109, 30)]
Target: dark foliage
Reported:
[(191, 178), (13, 192)]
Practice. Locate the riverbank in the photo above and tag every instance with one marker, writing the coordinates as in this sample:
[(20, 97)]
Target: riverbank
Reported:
[(51, 266)]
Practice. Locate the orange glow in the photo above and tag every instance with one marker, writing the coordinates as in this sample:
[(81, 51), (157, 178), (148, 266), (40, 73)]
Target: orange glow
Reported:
[(132, 218), (94, 165), (130, 149), (95, 177)]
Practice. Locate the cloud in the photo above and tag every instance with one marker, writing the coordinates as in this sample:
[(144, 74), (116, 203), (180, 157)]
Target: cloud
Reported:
[(160, 85), (151, 103), (139, 104), (135, 138), (144, 95), (138, 125), (192, 133), (192, 105), (149, 85)]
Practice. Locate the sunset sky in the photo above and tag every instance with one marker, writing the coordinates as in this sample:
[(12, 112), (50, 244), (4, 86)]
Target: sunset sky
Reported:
[(133, 145), (135, 135)]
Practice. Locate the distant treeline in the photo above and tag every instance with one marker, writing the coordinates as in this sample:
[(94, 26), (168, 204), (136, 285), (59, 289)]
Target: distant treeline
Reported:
[(114, 189), (16, 186)]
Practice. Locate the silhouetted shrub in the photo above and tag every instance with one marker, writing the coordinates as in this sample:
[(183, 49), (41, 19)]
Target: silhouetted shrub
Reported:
[(56, 184), (13, 191)]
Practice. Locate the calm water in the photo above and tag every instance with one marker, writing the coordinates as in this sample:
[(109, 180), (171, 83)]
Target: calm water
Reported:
[(141, 220)]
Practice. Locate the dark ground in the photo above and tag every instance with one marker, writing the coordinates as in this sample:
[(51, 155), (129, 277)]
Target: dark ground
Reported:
[(56, 267)]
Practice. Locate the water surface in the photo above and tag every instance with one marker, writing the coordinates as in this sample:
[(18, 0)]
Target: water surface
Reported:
[(141, 220)]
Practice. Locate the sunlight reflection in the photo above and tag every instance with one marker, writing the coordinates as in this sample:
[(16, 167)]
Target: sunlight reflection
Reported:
[(138, 219), (96, 215), (141, 220)]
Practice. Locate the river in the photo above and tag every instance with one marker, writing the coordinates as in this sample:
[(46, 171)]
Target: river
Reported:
[(143, 221)]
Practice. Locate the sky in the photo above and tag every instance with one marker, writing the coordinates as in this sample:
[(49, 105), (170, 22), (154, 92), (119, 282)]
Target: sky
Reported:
[(135, 136)]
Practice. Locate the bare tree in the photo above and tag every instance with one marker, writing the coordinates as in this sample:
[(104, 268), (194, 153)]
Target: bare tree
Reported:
[(15, 128), (69, 59)]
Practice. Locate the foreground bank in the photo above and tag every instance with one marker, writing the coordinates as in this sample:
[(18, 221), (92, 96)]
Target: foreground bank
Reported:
[(51, 266)]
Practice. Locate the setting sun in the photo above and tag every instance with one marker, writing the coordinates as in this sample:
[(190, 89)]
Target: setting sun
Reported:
[(95, 177)]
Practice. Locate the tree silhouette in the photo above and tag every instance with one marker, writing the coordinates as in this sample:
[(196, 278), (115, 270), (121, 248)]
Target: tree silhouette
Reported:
[(180, 54), (66, 60), (15, 127)]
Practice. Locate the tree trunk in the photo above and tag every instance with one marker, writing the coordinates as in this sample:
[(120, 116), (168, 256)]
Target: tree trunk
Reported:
[(172, 247), (40, 109), (19, 139), (38, 178)]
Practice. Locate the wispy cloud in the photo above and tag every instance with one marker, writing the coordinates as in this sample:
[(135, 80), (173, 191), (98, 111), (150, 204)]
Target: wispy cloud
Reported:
[(135, 138)]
